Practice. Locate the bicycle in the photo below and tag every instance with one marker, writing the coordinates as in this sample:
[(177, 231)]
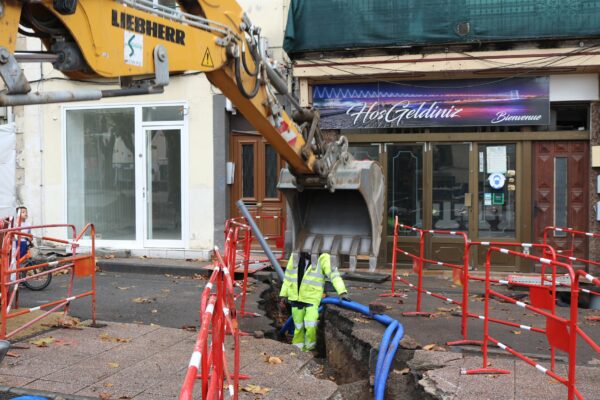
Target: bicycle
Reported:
[(38, 283)]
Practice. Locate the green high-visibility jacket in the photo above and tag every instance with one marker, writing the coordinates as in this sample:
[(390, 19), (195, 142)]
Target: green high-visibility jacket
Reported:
[(313, 282)]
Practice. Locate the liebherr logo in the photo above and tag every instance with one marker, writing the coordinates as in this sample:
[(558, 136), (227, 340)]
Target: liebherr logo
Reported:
[(149, 28)]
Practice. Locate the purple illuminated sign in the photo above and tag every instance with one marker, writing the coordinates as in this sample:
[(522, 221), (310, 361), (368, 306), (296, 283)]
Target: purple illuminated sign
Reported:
[(478, 102)]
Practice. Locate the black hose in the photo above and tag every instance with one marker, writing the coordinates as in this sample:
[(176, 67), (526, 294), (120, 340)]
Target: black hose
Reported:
[(254, 54), (240, 84)]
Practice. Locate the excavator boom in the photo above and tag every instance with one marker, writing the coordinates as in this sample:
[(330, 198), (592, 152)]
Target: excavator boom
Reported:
[(140, 44)]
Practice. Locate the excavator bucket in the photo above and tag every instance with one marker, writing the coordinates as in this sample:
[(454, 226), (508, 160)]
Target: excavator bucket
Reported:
[(344, 218)]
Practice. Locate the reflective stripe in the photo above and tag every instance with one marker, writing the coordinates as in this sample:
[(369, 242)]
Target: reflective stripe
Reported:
[(311, 324), (299, 345), (291, 271), (315, 275), (298, 326), (195, 360), (313, 282), (311, 345)]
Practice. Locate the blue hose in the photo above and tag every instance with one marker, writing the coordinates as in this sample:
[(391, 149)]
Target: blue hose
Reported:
[(389, 358), (383, 346), (387, 350)]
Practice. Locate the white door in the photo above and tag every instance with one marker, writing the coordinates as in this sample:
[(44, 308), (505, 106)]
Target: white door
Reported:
[(162, 200)]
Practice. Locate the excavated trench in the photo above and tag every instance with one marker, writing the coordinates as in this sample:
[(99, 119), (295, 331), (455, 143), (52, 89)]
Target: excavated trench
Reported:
[(347, 349)]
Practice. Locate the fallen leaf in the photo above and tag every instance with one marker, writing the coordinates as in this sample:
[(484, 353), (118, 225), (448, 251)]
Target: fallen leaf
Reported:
[(273, 360), (104, 396), (433, 347), (403, 371), (189, 328), (107, 384), (68, 322), (255, 389), (165, 290), (108, 257), (107, 338), (593, 318), (154, 311), (142, 300), (516, 332), (123, 287), (113, 365), (42, 342)]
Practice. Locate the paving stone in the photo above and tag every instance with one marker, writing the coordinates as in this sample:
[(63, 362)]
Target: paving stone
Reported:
[(52, 386), (15, 381), (424, 360)]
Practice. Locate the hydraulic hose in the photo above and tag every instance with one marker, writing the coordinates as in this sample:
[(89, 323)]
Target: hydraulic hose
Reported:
[(387, 350)]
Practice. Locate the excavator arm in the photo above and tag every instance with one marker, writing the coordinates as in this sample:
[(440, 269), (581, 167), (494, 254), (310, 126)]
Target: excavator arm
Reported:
[(336, 202)]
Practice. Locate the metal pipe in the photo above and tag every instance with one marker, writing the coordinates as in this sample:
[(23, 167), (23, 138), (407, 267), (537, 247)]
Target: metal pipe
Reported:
[(37, 57), (261, 239), (275, 78), (49, 97)]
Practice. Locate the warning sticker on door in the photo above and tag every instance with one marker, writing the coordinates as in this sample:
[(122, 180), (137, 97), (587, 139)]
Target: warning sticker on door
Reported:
[(134, 49)]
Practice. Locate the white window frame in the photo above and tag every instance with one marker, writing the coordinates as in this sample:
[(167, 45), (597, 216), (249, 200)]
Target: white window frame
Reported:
[(139, 131)]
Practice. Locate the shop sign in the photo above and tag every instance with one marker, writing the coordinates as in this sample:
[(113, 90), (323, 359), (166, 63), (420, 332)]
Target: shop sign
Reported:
[(478, 102)]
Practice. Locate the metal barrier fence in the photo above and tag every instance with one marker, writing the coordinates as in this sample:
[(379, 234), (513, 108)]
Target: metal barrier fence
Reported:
[(561, 332), (12, 272), (542, 293), (568, 255), (218, 317)]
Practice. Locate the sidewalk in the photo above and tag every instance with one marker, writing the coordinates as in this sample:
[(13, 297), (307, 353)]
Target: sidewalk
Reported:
[(149, 361), (131, 361)]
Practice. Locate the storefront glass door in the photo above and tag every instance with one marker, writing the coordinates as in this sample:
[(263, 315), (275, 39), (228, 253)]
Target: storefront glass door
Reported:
[(162, 190), (496, 200), (450, 207)]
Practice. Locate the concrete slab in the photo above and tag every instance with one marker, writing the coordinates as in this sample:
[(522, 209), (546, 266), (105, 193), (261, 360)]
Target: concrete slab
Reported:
[(149, 362)]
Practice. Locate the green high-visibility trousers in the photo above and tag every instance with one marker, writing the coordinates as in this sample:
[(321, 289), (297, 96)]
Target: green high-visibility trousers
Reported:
[(305, 324)]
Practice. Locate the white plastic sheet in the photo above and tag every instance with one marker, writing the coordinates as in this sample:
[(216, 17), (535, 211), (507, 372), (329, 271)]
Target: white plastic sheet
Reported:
[(7, 169)]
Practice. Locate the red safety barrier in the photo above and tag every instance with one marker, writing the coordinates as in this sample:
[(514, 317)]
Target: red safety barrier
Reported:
[(568, 255), (11, 271), (460, 273), (218, 317), (561, 332), (239, 233), (279, 240)]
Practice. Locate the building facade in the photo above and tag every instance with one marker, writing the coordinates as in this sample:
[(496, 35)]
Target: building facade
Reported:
[(149, 171), (483, 115)]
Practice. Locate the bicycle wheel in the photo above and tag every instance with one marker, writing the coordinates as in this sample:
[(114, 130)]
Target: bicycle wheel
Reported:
[(39, 283)]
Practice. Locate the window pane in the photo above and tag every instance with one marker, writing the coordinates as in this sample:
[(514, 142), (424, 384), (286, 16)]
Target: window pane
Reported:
[(271, 170), (248, 170), (497, 190), (364, 152), (163, 184), (450, 184), (560, 192), (405, 186), (100, 171), (164, 113)]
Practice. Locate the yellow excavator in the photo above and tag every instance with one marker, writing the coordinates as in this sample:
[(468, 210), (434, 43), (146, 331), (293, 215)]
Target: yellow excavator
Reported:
[(336, 202)]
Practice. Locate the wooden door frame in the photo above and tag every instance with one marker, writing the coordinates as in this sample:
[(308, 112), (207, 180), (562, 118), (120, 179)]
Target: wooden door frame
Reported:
[(235, 144)]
